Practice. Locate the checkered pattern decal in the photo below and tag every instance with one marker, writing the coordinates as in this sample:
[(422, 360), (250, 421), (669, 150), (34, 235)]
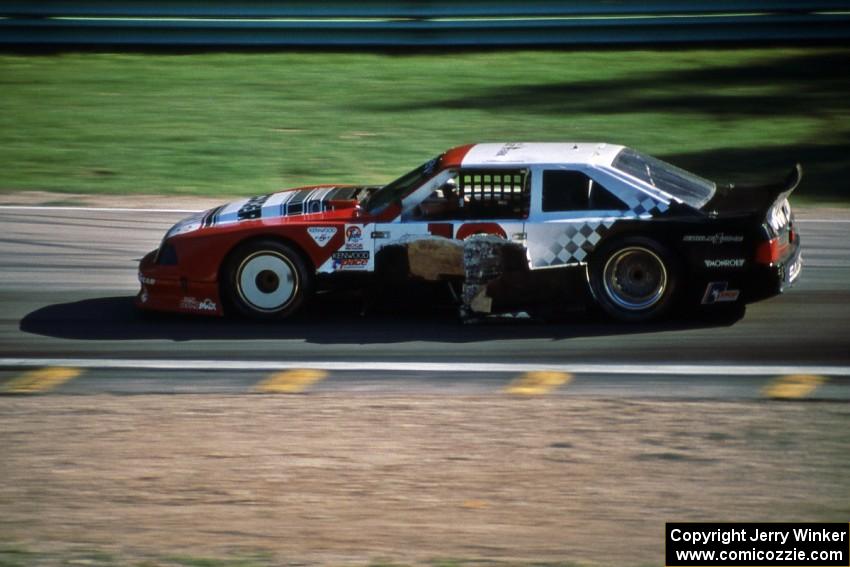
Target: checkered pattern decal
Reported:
[(640, 204), (558, 244), (565, 243)]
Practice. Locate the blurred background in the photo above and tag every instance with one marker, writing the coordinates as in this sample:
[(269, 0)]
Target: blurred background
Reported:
[(148, 103), (235, 98)]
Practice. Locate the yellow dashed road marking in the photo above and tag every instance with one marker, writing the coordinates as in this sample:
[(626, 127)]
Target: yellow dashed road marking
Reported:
[(290, 382), (792, 387), (40, 380), (537, 383)]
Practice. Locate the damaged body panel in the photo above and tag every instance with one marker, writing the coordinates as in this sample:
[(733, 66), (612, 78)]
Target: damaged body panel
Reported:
[(639, 235)]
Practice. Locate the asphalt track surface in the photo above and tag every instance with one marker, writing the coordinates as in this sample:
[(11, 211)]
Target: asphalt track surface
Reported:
[(68, 276)]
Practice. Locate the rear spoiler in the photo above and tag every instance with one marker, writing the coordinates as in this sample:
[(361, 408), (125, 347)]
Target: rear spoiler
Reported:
[(764, 199), (778, 212), (773, 191), (781, 191), (794, 177)]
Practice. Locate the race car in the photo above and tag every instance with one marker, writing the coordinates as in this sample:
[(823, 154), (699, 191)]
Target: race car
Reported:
[(642, 235)]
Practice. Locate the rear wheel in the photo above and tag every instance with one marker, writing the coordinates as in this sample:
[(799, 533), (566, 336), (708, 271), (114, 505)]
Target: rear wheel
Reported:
[(266, 279), (634, 279)]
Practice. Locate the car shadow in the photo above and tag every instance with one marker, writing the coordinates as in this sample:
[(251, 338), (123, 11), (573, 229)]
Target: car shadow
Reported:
[(337, 319)]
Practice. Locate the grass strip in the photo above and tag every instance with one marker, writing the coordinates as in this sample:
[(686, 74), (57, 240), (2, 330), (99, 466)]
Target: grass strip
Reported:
[(251, 122)]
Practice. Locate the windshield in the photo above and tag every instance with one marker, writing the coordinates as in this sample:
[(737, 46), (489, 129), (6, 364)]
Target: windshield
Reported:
[(401, 186), (684, 185)]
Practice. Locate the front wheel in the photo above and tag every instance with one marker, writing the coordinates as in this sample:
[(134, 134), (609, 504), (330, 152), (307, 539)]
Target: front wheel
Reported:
[(634, 279), (266, 279)]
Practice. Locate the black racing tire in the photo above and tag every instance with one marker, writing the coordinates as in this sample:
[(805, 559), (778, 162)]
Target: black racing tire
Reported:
[(266, 279), (634, 279)]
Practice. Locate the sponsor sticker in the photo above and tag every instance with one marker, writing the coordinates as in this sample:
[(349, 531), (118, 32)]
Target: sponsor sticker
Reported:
[(321, 235), (725, 263), (350, 260), (194, 304), (354, 238), (353, 234), (719, 238), (719, 292)]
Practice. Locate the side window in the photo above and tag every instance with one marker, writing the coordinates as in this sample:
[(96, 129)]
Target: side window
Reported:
[(565, 190), (495, 193), (478, 194)]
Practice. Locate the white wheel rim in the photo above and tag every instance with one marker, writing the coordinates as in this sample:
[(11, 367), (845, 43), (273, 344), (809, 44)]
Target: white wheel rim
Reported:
[(267, 281)]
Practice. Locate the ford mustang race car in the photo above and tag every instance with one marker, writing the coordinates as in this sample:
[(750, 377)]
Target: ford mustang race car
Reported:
[(642, 234)]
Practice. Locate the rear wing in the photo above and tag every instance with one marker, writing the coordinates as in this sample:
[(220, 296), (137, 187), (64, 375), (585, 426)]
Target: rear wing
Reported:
[(768, 201), (778, 211)]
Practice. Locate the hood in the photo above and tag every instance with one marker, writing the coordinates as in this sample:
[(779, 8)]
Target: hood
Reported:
[(308, 200)]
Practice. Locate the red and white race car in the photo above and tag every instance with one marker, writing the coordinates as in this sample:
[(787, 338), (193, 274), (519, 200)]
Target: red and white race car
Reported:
[(643, 233)]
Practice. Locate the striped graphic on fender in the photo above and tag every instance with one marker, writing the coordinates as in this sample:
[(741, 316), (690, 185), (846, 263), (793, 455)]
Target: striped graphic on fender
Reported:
[(275, 205), (282, 204), (253, 208)]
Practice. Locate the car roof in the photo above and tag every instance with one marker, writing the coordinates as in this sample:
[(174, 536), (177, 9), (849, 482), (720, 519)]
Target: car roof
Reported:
[(530, 153)]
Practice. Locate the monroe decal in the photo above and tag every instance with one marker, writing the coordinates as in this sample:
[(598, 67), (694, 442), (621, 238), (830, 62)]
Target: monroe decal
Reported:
[(725, 263)]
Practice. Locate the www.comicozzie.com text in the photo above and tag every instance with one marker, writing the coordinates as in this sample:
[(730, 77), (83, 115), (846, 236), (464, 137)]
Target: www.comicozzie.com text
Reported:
[(742, 534)]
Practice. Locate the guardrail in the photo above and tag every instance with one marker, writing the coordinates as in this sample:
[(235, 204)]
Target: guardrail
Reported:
[(417, 23)]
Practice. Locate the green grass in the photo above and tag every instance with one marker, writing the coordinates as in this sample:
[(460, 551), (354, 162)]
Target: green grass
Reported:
[(15, 556), (248, 123), (188, 561)]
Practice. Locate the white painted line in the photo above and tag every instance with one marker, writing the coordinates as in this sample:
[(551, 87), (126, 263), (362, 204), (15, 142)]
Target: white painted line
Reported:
[(578, 368), (839, 221), (93, 209)]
